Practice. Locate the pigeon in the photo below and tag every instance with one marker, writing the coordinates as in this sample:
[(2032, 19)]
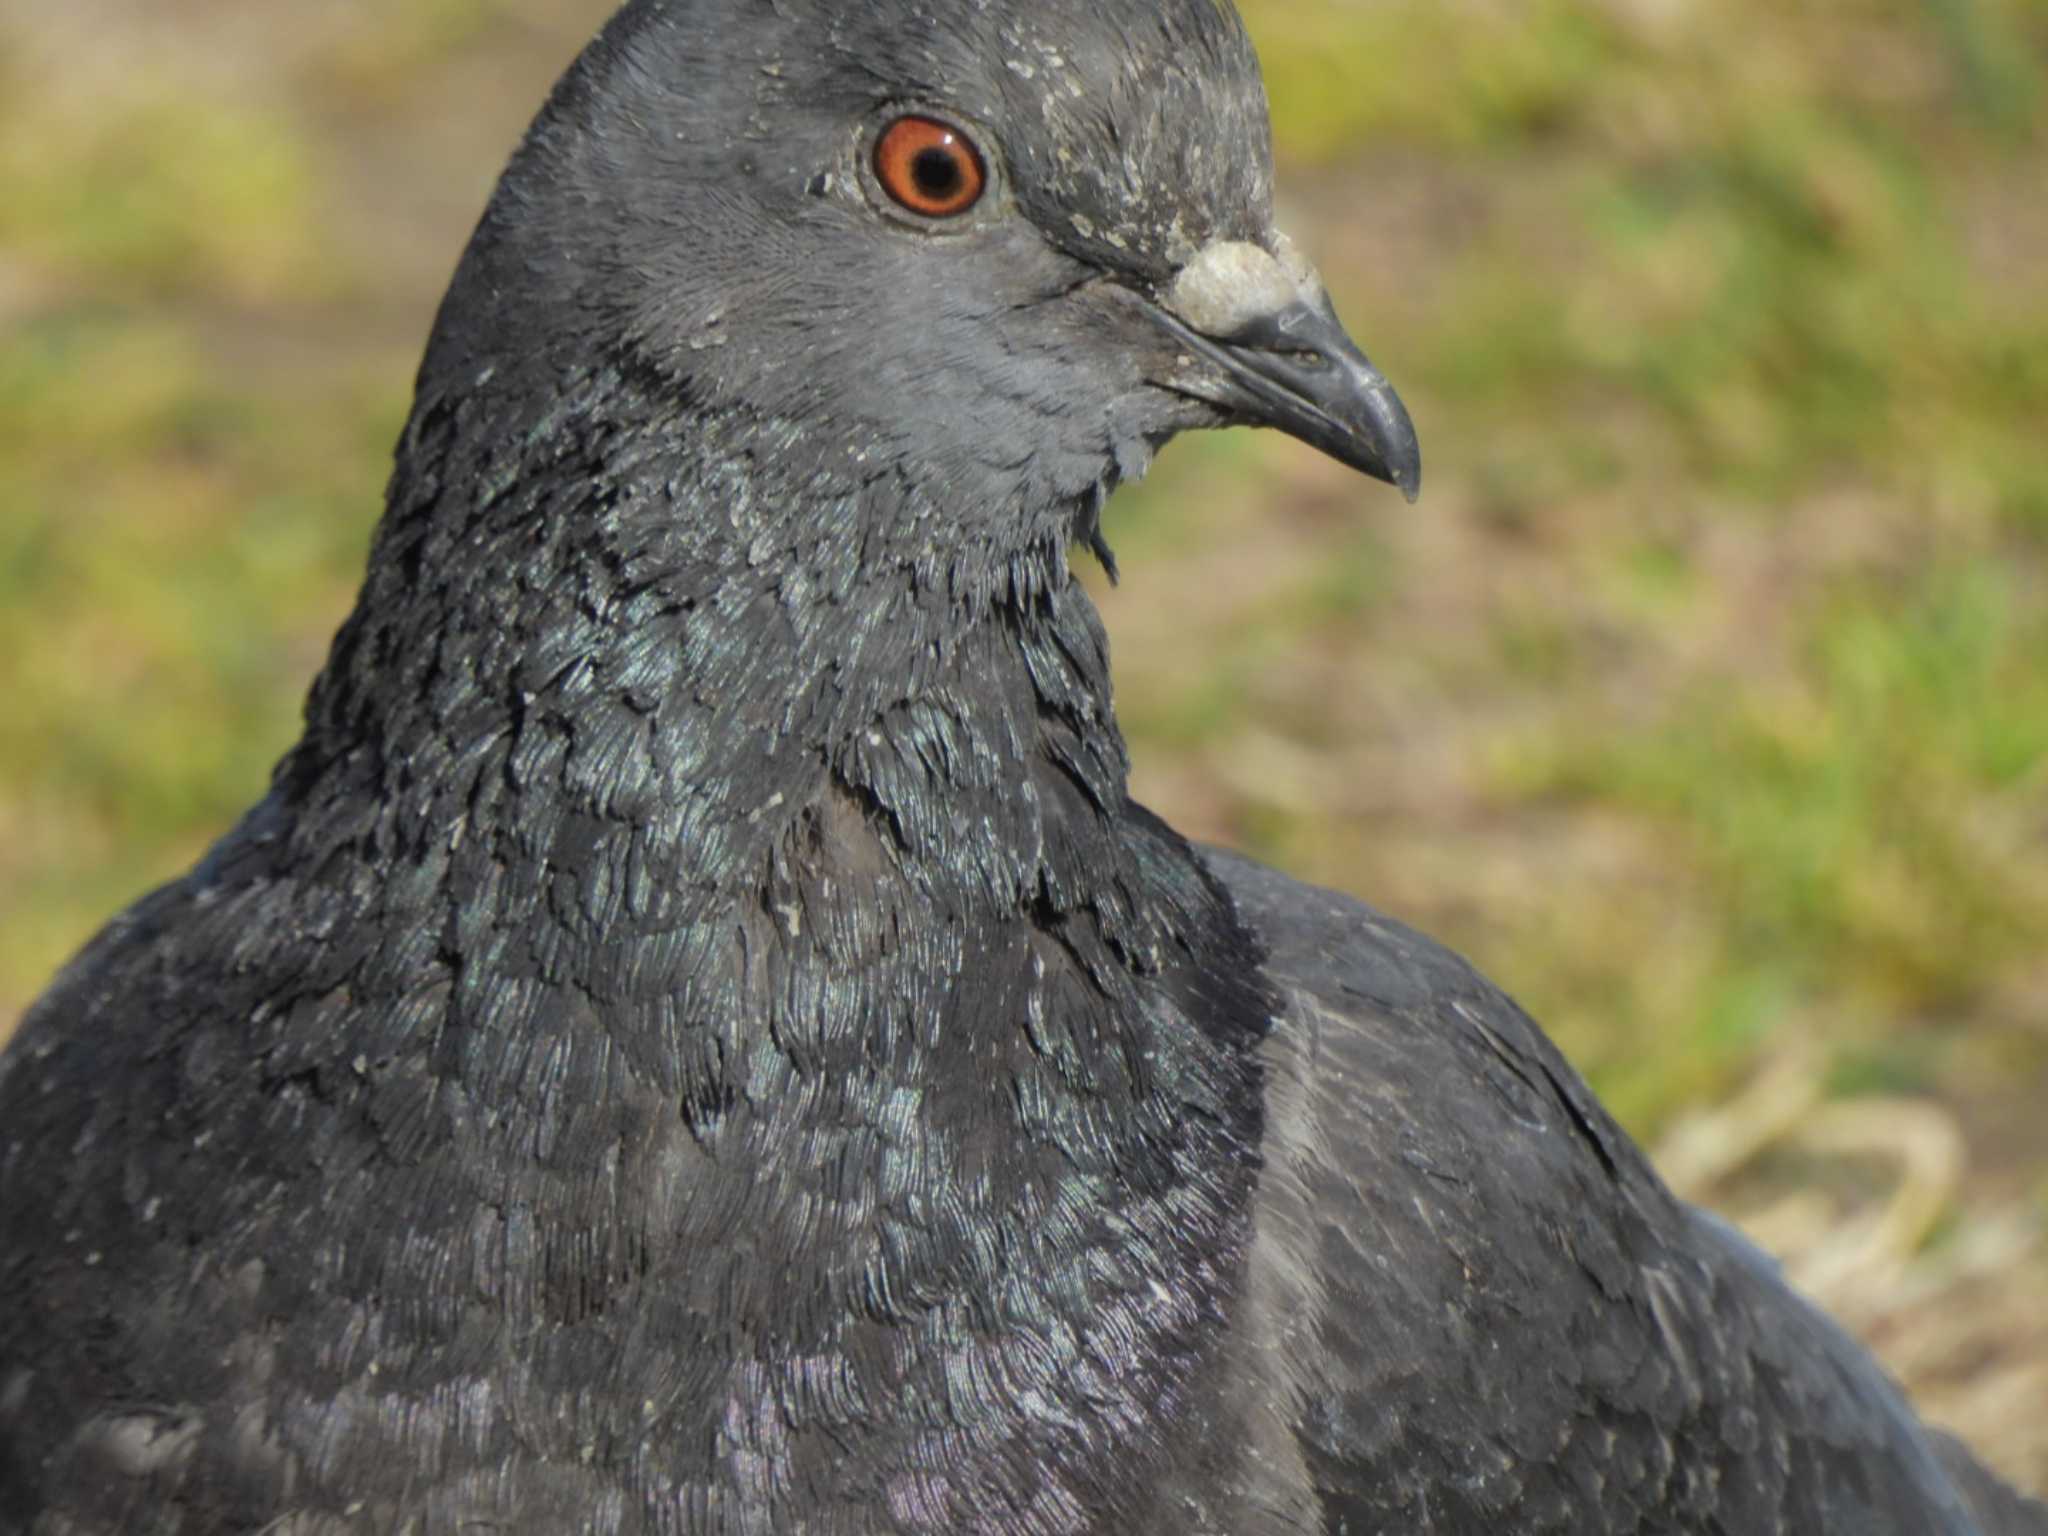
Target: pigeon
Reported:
[(698, 1038)]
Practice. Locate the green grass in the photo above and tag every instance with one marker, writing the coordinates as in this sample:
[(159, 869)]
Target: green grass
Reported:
[(1702, 698)]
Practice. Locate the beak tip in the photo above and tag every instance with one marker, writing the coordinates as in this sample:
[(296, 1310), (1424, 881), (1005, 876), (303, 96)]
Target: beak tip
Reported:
[(1395, 449), (1408, 475), (1405, 478)]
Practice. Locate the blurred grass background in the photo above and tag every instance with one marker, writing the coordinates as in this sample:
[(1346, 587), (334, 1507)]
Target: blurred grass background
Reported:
[(1703, 700)]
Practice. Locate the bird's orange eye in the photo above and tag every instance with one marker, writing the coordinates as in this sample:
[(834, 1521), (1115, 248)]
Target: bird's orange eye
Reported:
[(929, 167)]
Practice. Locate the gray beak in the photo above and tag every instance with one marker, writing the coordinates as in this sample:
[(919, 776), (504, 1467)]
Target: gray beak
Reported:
[(1260, 340)]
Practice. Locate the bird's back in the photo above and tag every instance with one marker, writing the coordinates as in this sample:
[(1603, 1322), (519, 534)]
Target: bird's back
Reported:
[(1509, 1323)]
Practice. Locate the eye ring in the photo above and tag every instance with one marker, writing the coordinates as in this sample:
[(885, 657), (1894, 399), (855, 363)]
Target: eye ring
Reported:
[(929, 167)]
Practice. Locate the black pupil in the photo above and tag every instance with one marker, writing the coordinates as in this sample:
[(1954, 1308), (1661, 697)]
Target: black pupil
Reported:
[(937, 173)]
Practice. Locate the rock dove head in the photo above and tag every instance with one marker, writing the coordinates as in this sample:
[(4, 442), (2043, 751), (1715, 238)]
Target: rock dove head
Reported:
[(1006, 249)]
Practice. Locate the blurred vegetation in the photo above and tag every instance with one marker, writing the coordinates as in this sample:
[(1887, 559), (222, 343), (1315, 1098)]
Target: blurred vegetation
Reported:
[(1703, 700)]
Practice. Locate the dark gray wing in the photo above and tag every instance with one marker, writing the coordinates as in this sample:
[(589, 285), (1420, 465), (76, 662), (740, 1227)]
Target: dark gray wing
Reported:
[(1503, 1322)]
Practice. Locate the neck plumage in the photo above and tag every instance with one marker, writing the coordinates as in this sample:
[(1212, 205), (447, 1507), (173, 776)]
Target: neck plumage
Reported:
[(726, 907), (693, 636), (737, 788)]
